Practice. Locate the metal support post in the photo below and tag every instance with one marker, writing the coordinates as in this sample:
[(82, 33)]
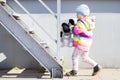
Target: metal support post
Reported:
[(58, 28)]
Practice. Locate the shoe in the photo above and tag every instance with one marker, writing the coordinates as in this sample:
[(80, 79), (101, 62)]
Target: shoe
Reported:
[(71, 73), (96, 70)]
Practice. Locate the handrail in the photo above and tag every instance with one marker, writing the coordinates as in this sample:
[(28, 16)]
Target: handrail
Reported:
[(34, 19), (9, 11), (49, 64), (47, 8)]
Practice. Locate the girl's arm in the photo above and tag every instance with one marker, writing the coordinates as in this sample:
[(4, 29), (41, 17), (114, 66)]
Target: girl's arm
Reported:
[(76, 30)]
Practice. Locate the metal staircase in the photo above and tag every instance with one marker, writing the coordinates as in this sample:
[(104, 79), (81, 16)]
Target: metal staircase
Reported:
[(31, 42)]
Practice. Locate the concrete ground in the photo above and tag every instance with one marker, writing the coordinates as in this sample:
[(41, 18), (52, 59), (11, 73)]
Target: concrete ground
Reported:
[(84, 74)]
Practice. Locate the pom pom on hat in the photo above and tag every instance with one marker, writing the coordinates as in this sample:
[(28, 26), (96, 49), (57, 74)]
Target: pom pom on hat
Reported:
[(83, 9)]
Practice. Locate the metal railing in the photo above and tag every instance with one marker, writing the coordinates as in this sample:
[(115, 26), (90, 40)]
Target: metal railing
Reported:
[(24, 25), (48, 8), (57, 18), (34, 19), (57, 71), (28, 13)]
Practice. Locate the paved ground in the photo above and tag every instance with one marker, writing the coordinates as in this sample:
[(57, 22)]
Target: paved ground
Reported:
[(84, 74)]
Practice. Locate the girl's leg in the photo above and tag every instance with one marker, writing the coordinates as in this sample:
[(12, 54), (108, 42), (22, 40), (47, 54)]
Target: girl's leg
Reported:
[(75, 59), (85, 58)]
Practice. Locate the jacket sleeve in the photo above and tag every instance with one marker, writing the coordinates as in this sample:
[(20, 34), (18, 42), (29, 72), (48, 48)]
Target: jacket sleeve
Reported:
[(92, 22)]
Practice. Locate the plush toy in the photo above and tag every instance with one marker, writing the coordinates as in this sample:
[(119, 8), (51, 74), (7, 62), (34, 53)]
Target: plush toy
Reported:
[(65, 33)]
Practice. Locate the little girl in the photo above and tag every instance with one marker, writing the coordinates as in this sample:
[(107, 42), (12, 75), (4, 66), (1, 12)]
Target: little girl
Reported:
[(82, 40)]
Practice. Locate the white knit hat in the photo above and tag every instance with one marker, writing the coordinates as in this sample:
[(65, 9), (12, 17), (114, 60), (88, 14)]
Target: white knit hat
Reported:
[(83, 9)]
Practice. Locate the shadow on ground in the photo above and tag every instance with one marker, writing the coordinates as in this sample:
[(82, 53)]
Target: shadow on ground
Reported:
[(24, 74)]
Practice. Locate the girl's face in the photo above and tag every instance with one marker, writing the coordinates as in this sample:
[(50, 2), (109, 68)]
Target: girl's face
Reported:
[(79, 16)]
